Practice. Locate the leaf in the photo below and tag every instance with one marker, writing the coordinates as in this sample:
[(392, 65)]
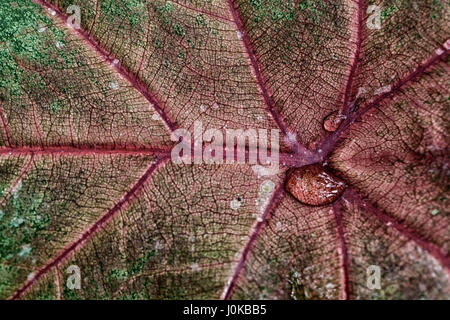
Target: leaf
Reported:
[(87, 178)]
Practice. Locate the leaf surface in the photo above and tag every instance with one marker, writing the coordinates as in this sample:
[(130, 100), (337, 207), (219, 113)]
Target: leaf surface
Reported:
[(86, 177)]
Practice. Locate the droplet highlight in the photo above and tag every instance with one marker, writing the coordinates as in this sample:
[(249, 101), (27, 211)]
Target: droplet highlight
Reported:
[(333, 121)]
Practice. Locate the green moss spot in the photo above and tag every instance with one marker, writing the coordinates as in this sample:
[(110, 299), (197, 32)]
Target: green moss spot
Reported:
[(178, 30), (386, 13)]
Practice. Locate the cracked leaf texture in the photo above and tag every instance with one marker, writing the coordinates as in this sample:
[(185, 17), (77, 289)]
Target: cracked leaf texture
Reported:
[(85, 137)]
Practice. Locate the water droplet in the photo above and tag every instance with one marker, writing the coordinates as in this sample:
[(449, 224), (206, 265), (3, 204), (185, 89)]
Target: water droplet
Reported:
[(155, 117), (259, 219), (113, 85), (333, 121), (215, 106), (202, 108), (51, 11), (329, 286), (15, 222), (278, 226), (314, 185), (59, 44), (42, 29), (235, 204), (291, 137), (239, 34), (24, 250), (194, 267), (159, 245), (267, 186)]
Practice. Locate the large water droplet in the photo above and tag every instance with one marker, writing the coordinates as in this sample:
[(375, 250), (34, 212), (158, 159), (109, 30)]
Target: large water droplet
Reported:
[(333, 121), (314, 185)]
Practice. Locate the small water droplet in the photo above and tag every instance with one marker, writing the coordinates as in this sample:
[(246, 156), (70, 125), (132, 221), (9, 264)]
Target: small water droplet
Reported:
[(24, 250), (155, 117), (194, 267), (235, 204), (314, 185), (42, 29), (215, 106), (113, 85), (267, 186)]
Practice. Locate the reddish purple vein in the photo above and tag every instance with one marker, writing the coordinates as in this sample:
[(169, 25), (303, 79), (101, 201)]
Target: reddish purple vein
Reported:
[(368, 208), (285, 159), (85, 150), (329, 143), (253, 236), (254, 64), (346, 286), (91, 230), (356, 57)]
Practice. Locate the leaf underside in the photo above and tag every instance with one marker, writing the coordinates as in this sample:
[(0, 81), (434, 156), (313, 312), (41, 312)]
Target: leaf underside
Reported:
[(86, 177)]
